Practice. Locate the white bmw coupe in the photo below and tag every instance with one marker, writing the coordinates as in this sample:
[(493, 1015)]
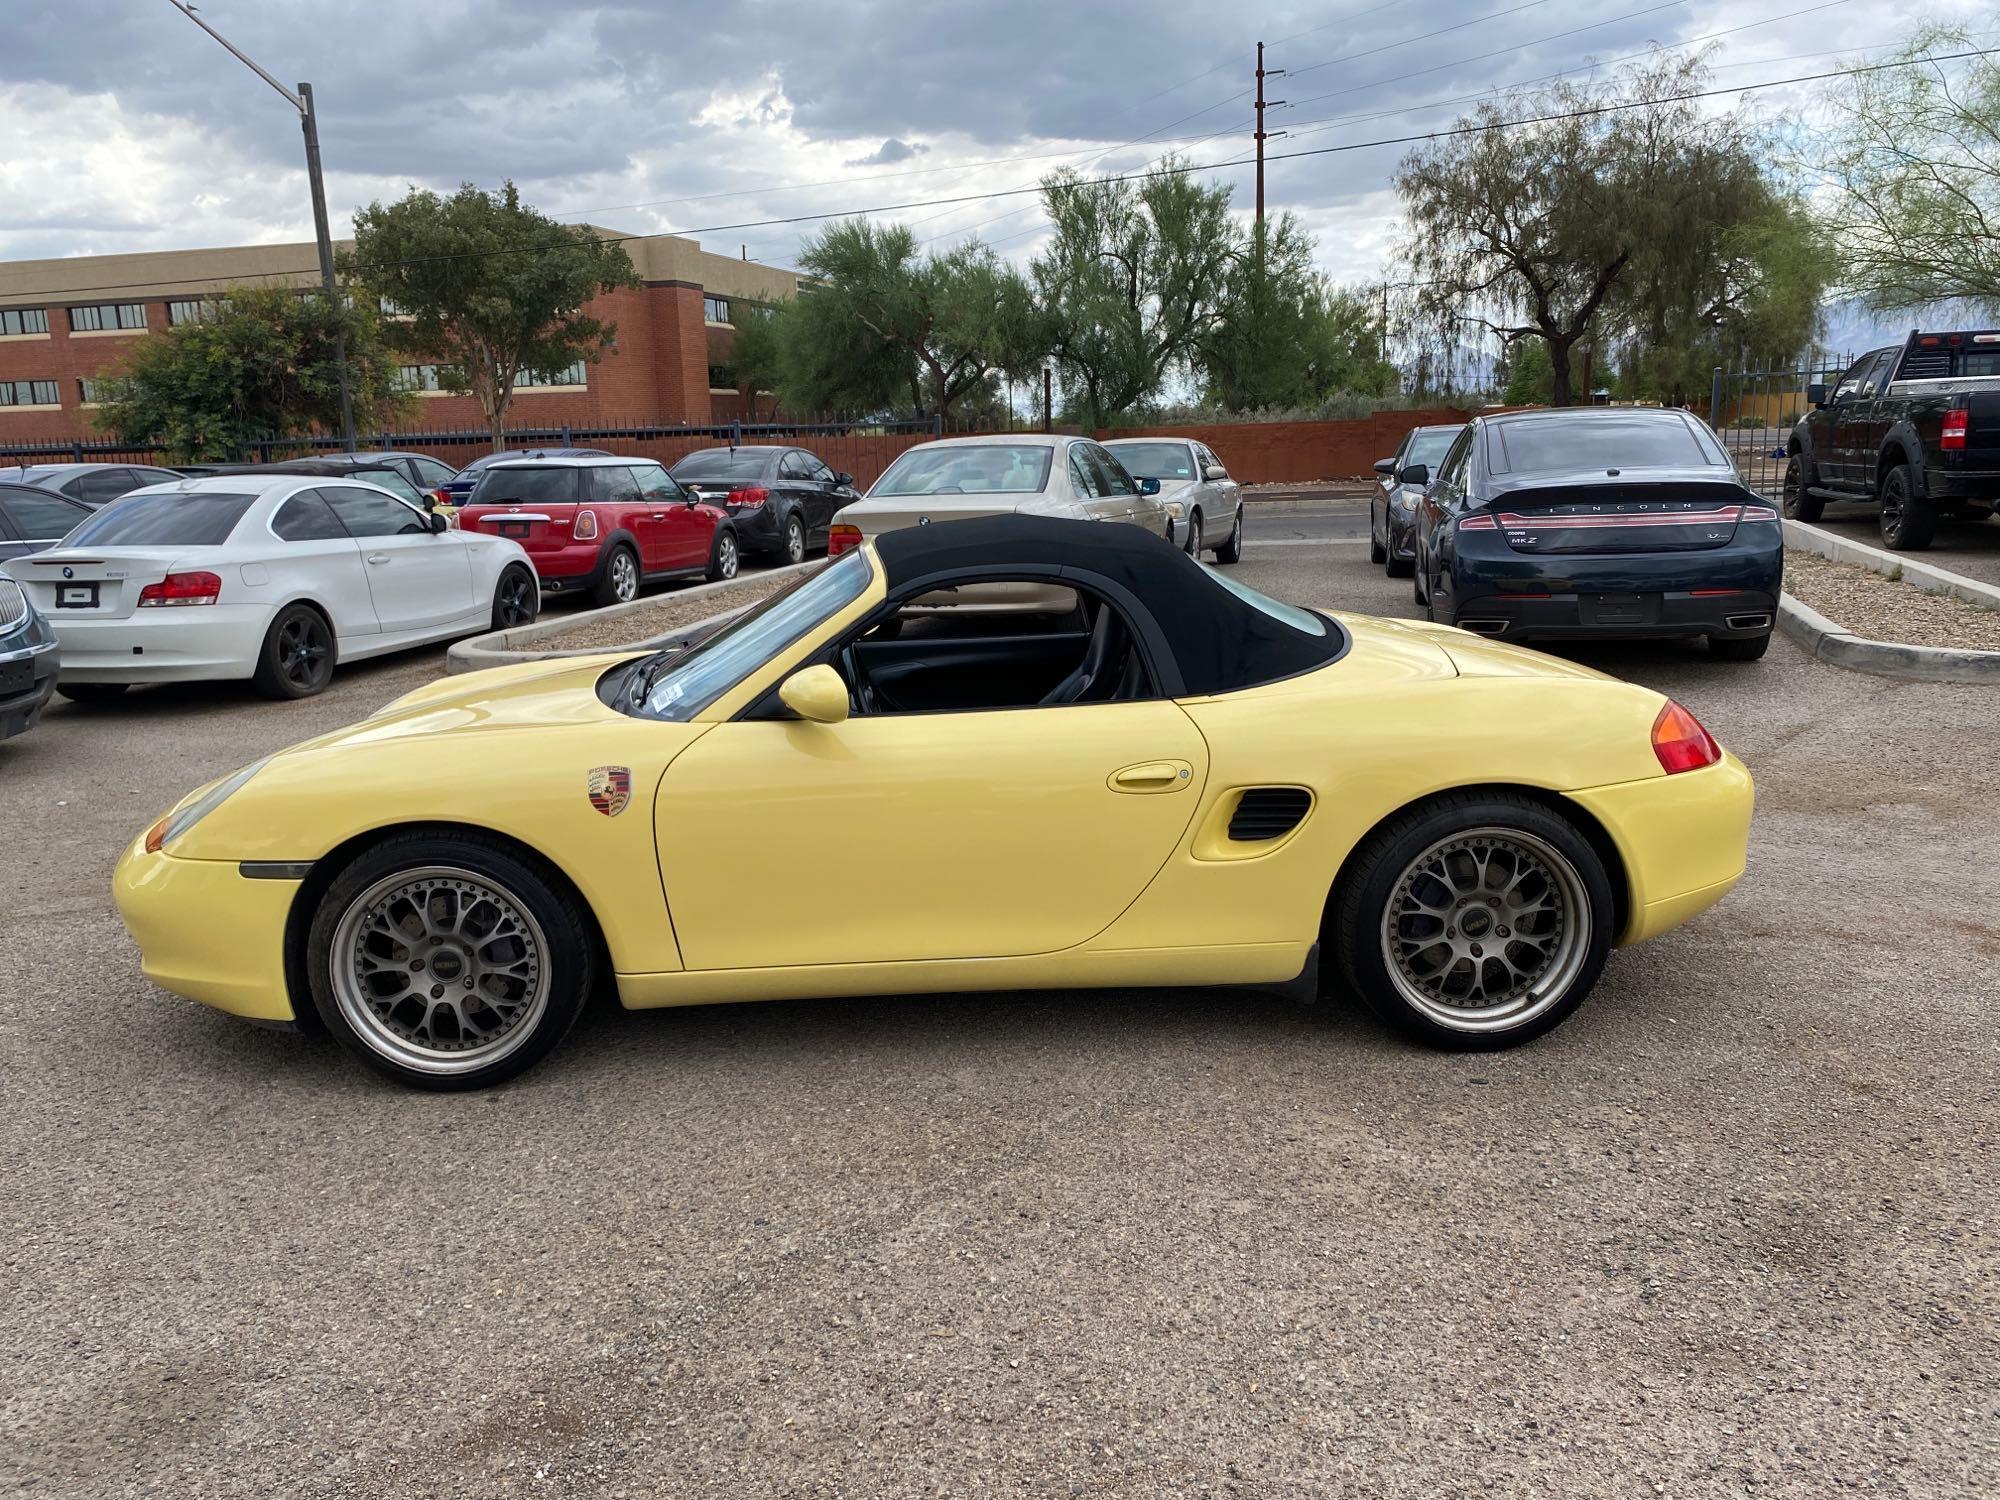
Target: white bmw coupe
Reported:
[(270, 577)]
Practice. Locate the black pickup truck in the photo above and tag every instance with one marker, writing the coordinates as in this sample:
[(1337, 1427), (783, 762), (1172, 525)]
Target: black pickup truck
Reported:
[(1914, 428)]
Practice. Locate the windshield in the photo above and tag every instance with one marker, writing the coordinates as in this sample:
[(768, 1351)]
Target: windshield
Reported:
[(968, 469), (1155, 460), (1590, 440), (1302, 620), (510, 486), (1427, 446), (179, 518), (723, 463), (713, 666)]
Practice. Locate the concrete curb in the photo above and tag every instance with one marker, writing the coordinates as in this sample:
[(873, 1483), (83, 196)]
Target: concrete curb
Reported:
[(1837, 645), (504, 648)]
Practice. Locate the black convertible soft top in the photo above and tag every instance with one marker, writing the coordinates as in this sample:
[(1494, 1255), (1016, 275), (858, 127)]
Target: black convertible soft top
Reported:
[(1217, 639)]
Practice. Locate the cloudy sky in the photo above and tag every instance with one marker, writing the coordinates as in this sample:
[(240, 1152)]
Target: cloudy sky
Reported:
[(128, 128)]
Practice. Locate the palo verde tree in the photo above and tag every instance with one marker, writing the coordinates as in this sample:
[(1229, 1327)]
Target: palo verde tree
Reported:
[(260, 363), (1133, 279), (1914, 167), (884, 326), (487, 288), (1584, 214)]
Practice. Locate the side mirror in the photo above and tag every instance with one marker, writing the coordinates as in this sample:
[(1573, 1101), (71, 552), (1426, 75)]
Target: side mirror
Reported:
[(1214, 471), (1149, 486), (1385, 466), (1816, 394), (1417, 474), (439, 521), (843, 481), (815, 693)]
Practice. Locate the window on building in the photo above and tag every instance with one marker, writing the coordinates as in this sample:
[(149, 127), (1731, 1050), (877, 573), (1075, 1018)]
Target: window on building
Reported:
[(107, 316), (193, 310), (715, 309), (571, 376), (417, 378), (393, 309), (28, 393), (90, 391), (722, 377), (16, 320)]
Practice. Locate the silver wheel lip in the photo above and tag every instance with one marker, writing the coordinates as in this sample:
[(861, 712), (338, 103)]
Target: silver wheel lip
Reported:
[(363, 1022), (1549, 988)]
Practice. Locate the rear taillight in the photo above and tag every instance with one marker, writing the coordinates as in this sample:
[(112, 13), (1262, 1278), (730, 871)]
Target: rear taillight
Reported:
[(1759, 513), (182, 588), (754, 494), (1681, 743), (842, 539), (1478, 523), (586, 525), (1952, 439), (441, 496)]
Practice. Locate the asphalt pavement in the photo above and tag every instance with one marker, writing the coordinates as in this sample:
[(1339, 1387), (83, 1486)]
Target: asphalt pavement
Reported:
[(1731, 1230)]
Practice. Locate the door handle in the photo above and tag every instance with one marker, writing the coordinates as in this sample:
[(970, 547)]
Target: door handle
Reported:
[(659, 515), (1152, 776), (378, 557)]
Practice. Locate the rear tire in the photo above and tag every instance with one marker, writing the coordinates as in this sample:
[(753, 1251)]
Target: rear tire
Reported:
[(1739, 648), (448, 961), (1909, 520), (723, 556), (1796, 504), (296, 660), (1474, 922), (516, 600), (92, 692), (620, 581), (793, 548), (1231, 551)]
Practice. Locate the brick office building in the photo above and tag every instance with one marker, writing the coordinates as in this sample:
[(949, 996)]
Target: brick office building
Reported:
[(64, 324)]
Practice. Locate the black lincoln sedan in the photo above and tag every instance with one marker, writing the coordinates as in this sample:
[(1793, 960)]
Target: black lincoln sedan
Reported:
[(781, 499), (1598, 522)]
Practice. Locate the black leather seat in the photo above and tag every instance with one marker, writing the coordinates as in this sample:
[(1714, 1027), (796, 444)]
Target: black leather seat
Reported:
[(1103, 662)]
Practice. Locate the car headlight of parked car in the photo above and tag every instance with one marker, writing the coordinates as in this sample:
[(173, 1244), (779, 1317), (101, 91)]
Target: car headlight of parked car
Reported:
[(191, 812)]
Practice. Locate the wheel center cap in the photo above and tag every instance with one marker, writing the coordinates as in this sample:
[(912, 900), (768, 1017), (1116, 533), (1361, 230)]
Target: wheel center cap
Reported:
[(1475, 921), (447, 963)]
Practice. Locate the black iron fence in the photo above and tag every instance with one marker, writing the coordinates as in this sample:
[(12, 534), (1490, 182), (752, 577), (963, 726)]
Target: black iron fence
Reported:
[(1754, 411), (862, 446)]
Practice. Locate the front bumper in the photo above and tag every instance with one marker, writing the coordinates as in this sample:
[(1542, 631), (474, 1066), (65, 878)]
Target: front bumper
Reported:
[(1683, 841), (206, 932), (214, 642), (20, 710)]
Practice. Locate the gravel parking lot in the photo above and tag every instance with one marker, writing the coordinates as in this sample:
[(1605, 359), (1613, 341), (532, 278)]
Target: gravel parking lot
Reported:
[(1730, 1231)]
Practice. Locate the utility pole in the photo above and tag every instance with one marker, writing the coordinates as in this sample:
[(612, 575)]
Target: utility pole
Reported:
[(1262, 134), (302, 101), (1048, 398)]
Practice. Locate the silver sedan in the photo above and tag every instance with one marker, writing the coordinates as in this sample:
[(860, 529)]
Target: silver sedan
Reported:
[(1192, 478)]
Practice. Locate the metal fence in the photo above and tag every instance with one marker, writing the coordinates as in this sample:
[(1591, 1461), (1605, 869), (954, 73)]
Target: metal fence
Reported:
[(861, 446), (1754, 411)]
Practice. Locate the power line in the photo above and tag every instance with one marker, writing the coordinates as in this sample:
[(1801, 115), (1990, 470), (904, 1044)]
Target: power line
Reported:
[(1409, 41), (1446, 133)]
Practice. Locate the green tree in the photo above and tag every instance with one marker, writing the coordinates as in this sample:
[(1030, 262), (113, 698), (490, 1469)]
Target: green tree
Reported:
[(884, 326), (1344, 340), (1526, 376), (756, 350), (1914, 167), (261, 364), (1132, 282), (487, 287), (1599, 225)]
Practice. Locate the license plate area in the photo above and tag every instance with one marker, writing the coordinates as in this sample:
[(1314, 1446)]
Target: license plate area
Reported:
[(1619, 609), (16, 677), (76, 596)]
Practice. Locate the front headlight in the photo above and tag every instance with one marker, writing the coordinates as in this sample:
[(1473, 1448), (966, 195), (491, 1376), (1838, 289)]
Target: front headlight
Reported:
[(184, 817)]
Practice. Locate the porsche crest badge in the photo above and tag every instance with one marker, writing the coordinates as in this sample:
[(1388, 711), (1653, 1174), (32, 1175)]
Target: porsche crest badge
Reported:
[(610, 789)]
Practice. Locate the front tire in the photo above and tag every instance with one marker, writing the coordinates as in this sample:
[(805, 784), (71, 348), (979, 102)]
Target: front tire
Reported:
[(1378, 551), (448, 961), (1909, 520), (1476, 921), (516, 600), (723, 556), (1231, 551), (1795, 504), (1194, 535), (296, 660)]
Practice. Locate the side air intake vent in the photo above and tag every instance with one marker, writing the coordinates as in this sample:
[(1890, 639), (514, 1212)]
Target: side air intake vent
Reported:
[(1268, 812)]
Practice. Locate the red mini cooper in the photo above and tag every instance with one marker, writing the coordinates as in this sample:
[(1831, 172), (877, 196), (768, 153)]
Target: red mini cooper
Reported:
[(608, 526)]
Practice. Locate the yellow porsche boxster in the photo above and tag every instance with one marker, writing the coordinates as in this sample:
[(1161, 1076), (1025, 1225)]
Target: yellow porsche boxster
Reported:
[(882, 781)]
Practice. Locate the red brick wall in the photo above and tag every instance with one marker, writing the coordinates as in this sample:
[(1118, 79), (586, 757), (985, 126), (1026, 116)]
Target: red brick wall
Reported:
[(1293, 452)]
